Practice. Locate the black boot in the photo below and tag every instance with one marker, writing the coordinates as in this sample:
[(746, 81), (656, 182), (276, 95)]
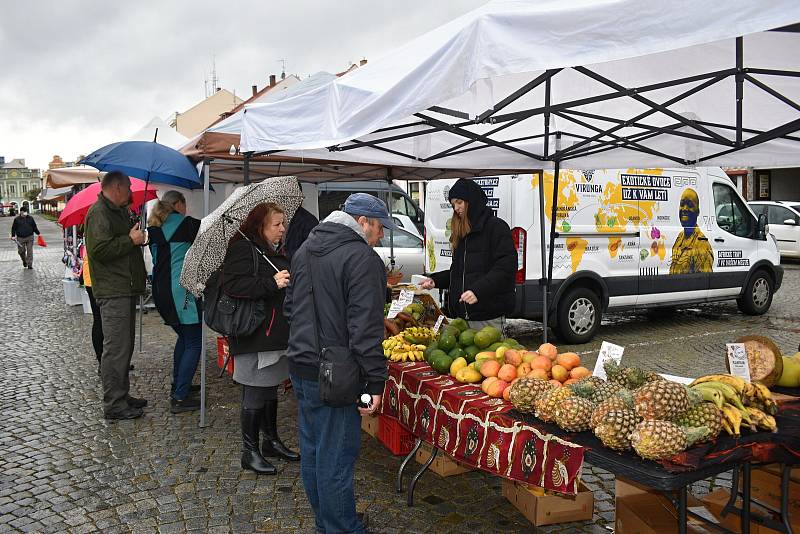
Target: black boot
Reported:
[(272, 445), (251, 457)]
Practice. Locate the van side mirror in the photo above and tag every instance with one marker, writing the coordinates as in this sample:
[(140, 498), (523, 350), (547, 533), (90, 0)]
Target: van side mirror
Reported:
[(762, 227)]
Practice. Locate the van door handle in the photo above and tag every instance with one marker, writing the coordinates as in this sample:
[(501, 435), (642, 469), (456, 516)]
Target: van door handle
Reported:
[(719, 240), (703, 238)]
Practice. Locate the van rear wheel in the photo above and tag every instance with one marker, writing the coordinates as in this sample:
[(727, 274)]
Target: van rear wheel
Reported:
[(578, 315), (757, 296)]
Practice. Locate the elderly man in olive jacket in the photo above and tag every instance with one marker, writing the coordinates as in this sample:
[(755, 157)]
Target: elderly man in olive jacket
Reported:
[(118, 279)]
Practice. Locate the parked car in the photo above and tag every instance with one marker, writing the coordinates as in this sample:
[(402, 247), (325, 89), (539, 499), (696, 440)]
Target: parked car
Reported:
[(409, 253), (783, 222), (405, 212)]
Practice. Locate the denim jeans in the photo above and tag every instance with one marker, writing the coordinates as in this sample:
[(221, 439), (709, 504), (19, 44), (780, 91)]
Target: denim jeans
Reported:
[(185, 357), (330, 439)]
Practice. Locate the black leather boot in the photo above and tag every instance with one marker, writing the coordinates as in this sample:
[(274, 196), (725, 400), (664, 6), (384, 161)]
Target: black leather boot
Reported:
[(251, 457), (272, 445)]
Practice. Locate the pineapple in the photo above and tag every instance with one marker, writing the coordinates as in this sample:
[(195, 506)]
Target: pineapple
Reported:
[(652, 376), (628, 377), (616, 428), (525, 391), (546, 403), (622, 400), (574, 413), (596, 391), (656, 440), (663, 400), (703, 414)]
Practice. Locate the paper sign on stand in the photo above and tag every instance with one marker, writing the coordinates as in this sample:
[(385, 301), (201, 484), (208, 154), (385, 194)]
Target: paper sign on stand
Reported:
[(608, 351), (438, 324), (737, 360), (406, 297)]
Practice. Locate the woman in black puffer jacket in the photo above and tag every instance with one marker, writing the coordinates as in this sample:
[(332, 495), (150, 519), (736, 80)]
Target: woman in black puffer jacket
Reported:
[(260, 363), (484, 262)]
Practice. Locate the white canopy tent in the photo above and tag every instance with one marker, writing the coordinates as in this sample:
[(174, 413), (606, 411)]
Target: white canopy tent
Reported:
[(523, 84), (627, 82)]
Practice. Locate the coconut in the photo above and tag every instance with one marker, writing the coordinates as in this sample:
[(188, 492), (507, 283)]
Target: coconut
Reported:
[(764, 359)]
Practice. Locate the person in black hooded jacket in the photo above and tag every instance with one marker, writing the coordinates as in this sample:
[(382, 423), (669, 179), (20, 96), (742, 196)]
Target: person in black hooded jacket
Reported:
[(484, 262)]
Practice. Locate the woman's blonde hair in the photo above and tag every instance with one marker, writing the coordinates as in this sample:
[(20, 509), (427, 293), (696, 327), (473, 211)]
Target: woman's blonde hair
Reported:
[(164, 207), (459, 227)]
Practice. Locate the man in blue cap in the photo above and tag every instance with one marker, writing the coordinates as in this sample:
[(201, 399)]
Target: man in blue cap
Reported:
[(349, 289)]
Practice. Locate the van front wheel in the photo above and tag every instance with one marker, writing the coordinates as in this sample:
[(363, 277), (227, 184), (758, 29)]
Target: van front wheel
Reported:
[(578, 315), (757, 296)]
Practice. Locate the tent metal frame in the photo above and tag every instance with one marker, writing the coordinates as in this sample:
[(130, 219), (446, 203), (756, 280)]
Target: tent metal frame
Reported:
[(605, 137)]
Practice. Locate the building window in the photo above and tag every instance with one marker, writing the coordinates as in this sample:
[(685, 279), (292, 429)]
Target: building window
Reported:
[(24, 188), (12, 190)]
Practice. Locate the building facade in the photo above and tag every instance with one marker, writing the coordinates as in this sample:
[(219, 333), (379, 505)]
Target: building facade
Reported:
[(16, 180)]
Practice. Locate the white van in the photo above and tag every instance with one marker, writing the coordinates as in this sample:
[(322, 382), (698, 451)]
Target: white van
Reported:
[(626, 238)]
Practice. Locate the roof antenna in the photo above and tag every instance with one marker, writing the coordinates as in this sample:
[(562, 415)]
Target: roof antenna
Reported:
[(283, 68)]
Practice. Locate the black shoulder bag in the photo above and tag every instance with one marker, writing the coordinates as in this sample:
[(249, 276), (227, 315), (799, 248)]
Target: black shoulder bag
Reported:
[(340, 381), (231, 316)]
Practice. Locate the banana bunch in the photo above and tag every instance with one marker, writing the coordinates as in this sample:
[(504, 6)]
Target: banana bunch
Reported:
[(741, 402), (419, 335), (397, 349)]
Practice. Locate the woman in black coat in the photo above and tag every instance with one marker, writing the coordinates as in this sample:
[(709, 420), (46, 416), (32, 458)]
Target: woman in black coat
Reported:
[(260, 363), (484, 262)]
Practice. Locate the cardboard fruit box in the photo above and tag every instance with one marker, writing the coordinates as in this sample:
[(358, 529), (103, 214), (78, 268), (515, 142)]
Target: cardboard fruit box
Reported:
[(548, 509), (717, 500), (370, 425), (443, 465), (641, 510)]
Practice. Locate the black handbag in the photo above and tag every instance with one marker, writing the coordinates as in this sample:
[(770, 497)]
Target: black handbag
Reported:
[(340, 382), (231, 316)]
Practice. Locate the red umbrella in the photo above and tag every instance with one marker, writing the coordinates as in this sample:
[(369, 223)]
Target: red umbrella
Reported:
[(75, 211)]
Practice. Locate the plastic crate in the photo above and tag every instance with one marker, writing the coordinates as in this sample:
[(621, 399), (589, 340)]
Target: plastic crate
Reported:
[(396, 438), (222, 352)]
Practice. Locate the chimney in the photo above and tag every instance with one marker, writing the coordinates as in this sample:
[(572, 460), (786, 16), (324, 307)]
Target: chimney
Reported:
[(255, 89), (362, 62), (272, 80)]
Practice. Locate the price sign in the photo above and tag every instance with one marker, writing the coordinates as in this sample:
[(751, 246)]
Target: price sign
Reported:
[(608, 351), (406, 297), (395, 308), (438, 324), (737, 360)]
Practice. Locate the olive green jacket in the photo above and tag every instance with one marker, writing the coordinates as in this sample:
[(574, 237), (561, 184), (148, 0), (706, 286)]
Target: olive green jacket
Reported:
[(117, 264)]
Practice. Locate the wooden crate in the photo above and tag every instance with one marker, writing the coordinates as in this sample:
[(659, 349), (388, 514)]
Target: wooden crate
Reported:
[(370, 425)]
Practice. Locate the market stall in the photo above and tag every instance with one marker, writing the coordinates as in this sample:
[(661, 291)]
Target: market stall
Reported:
[(517, 85)]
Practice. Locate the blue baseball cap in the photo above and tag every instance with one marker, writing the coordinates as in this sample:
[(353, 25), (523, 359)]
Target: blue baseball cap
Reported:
[(369, 206)]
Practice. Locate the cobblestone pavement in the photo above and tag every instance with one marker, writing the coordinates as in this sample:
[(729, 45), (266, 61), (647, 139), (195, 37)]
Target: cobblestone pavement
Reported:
[(63, 468)]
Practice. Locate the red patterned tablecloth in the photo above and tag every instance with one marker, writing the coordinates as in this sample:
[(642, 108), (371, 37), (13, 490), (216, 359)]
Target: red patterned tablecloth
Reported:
[(476, 430)]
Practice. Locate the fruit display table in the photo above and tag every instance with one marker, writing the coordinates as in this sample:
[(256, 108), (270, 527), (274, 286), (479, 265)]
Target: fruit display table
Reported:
[(488, 434), (477, 430)]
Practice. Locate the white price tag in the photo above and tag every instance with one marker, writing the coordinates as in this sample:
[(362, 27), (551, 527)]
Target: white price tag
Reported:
[(406, 297), (737, 360), (608, 351), (395, 308), (438, 324)]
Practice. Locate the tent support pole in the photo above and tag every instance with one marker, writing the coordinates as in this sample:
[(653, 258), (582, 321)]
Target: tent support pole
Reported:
[(203, 356), (542, 236), (246, 168), (553, 235), (739, 88)]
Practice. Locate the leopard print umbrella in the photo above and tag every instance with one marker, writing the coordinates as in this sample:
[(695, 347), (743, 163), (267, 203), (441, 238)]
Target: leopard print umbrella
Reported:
[(208, 250)]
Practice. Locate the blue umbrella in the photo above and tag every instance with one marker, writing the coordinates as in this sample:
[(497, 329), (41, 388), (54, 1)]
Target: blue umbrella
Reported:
[(147, 160)]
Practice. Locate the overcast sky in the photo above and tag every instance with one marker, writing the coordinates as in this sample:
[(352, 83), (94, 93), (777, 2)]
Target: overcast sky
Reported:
[(76, 75)]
